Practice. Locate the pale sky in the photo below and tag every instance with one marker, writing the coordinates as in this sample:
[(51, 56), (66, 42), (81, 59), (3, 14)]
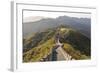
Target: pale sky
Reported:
[(38, 15)]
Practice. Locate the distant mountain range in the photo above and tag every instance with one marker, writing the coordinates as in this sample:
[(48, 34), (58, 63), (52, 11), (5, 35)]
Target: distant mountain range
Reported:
[(81, 24)]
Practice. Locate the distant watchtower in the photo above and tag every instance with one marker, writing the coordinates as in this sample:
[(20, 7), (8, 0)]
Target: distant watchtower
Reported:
[(57, 36)]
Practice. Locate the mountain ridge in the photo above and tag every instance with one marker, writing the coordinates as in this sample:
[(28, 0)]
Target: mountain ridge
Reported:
[(74, 42), (81, 24)]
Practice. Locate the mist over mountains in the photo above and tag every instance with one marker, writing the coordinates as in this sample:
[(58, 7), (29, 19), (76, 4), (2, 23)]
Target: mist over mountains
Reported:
[(83, 25)]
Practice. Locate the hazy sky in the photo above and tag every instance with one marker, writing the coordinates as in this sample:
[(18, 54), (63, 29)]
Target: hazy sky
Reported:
[(38, 15)]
